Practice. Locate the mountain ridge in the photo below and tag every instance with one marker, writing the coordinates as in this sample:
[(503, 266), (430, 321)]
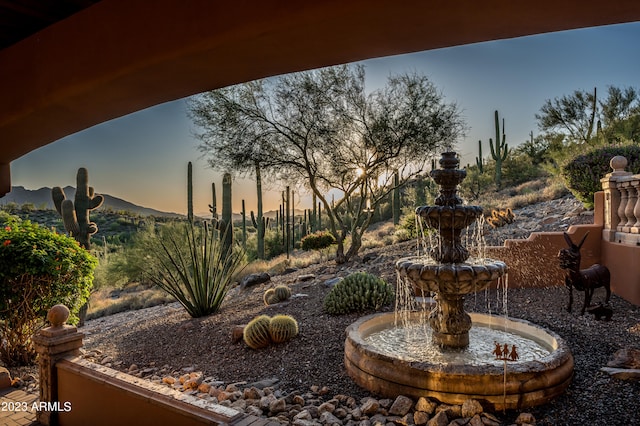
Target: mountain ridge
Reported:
[(41, 198)]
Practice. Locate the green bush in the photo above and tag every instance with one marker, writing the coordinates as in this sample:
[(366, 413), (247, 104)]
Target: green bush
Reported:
[(317, 241), (190, 263), (358, 292), (408, 225), (38, 269), (582, 174)]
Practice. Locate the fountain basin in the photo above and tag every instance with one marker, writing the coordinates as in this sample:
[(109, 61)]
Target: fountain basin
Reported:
[(528, 383)]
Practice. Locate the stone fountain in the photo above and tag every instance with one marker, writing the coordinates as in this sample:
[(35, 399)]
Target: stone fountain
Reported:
[(454, 372)]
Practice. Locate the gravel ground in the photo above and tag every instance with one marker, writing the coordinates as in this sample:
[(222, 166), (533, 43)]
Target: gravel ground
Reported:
[(167, 337)]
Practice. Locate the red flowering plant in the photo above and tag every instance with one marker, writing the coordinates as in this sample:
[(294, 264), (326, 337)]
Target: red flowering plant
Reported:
[(38, 269)]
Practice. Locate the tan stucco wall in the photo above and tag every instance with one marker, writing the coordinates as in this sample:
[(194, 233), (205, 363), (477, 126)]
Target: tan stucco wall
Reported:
[(623, 262), (533, 262)]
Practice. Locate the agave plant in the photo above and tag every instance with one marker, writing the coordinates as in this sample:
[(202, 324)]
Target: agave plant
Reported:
[(189, 263)]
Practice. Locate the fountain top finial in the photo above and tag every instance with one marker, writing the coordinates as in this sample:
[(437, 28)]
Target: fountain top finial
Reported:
[(448, 178)]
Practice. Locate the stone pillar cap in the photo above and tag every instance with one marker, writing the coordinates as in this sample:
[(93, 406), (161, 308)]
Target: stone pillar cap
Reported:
[(618, 163), (58, 315)]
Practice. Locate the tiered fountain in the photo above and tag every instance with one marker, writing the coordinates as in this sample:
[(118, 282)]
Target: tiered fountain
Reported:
[(441, 360)]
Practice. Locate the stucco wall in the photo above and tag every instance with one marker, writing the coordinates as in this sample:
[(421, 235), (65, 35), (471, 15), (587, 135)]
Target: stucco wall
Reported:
[(623, 262)]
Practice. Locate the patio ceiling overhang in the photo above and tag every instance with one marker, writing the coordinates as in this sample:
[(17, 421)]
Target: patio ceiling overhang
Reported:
[(113, 57)]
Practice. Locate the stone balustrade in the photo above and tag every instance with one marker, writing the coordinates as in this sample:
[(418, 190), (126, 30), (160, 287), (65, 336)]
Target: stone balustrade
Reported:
[(622, 204)]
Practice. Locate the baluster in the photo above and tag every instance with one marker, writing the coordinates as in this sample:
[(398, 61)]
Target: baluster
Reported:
[(632, 197), (635, 228), (622, 217)]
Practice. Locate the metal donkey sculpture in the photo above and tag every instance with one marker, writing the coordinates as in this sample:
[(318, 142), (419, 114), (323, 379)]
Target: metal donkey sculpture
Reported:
[(586, 280)]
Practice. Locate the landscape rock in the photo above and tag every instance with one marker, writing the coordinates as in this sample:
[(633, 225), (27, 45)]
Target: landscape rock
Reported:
[(332, 282), (277, 406), (425, 405), (440, 419), (329, 419), (476, 421), (622, 373), (471, 408), (254, 279), (420, 418), (237, 333), (401, 406), (370, 406), (525, 418), (626, 358), (305, 277)]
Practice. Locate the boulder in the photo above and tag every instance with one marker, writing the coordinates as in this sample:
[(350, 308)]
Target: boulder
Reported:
[(254, 279), (625, 358)]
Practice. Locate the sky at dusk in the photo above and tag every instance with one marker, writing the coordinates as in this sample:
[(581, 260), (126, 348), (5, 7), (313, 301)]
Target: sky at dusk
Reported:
[(142, 157)]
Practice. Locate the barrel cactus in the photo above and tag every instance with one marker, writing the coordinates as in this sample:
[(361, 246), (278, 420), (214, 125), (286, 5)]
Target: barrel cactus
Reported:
[(358, 292), (283, 328), (283, 292), (276, 295), (256, 334), (270, 297)]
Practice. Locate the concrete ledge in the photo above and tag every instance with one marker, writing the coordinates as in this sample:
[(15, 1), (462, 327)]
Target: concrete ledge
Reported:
[(99, 395)]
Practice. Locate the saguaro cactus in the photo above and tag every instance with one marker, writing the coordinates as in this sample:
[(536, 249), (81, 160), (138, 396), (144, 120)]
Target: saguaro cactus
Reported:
[(396, 198), (190, 192), (213, 207), (75, 214), (500, 151), (479, 160), (244, 226), (261, 226), (259, 222), (226, 222)]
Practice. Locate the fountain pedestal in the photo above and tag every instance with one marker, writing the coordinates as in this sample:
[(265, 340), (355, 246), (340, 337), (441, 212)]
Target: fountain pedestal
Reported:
[(449, 322), (449, 277)]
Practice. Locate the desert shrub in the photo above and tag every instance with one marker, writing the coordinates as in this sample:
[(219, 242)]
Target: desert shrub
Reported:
[(317, 241), (38, 269), (408, 225), (189, 262), (358, 292), (518, 169), (582, 174)]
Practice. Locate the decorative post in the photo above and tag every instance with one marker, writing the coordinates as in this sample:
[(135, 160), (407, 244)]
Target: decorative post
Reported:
[(52, 344), (613, 197)]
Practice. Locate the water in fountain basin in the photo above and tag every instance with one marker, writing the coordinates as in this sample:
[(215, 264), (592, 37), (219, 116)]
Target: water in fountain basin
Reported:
[(413, 343)]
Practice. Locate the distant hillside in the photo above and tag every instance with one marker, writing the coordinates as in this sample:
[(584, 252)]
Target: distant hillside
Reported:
[(41, 198)]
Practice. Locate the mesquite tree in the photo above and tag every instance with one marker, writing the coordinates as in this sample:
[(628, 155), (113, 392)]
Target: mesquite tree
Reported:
[(322, 129)]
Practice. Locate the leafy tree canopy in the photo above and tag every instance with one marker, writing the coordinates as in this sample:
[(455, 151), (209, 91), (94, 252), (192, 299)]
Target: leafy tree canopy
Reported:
[(615, 117), (323, 130)]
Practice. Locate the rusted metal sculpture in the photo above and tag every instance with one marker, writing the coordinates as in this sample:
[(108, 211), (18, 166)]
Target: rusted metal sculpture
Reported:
[(586, 280)]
